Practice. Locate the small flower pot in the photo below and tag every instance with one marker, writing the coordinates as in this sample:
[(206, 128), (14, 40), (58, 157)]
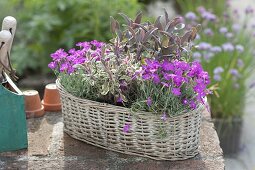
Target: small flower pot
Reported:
[(229, 132), (33, 106), (51, 99)]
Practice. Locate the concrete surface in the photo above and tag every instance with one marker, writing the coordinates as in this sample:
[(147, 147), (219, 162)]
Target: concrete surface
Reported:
[(50, 148)]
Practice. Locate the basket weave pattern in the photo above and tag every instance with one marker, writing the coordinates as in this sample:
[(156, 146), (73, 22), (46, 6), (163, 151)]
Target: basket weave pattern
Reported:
[(102, 124)]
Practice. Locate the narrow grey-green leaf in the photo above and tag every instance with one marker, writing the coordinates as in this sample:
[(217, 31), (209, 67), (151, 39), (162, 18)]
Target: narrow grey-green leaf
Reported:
[(117, 25), (173, 24), (142, 33), (126, 18), (166, 16), (141, 26), (149, 34), (132, 31), (158, 23), (120, 36), (138, 18), (113, 24), (186, 37)]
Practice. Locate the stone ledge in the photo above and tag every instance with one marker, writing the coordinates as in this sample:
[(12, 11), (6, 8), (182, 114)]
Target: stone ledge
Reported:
[(50, 148)]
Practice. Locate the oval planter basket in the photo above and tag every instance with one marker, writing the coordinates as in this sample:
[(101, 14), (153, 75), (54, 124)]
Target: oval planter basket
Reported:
[(102, 124)]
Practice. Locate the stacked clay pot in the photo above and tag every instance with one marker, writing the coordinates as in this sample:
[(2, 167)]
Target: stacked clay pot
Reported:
[(51, 99), (33, 106)]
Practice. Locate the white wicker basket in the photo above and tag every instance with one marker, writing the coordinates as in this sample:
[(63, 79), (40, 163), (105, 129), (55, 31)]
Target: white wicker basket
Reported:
[(102, 124)]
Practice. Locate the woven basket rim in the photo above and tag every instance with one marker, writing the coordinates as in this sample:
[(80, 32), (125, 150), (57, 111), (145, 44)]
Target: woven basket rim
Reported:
[(125, 109)]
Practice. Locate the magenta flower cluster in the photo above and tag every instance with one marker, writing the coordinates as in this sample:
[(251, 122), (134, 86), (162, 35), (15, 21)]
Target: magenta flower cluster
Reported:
[(178, 75), (66, 61)]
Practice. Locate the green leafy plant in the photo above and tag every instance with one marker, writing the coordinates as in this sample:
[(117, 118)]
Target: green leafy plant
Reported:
[(156, 39), (44, 26), (145, 67)]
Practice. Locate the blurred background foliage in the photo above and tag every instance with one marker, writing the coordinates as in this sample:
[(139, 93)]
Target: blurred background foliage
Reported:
[(233, 92), (217, 6), (238, 65), (44, 26)]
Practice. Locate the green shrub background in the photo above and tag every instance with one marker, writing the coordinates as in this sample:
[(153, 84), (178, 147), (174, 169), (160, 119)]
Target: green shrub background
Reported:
[(46, 25)]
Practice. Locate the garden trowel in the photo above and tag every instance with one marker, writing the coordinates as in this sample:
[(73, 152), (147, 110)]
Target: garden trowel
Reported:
[(6, 39)]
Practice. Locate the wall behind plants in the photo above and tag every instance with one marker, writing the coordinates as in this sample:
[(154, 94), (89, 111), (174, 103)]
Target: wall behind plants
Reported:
[(45, 26)]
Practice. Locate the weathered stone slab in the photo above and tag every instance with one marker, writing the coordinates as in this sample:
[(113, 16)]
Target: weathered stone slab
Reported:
[(49, 148)]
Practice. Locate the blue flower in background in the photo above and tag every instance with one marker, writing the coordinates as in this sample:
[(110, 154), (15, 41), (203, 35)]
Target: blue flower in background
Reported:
[(197, 56), (228, 47), (216, 49), (217, 77), (240, 63), (229, 35), (218, 70), (191, 16), (204, 46), (217, 73), (236, 27), (239, 48), (223, 30), (234, 72), (208, 31), (208, 56)]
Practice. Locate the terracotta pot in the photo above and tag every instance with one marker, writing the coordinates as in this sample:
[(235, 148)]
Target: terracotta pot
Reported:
[(51, 99), (33, 106)]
